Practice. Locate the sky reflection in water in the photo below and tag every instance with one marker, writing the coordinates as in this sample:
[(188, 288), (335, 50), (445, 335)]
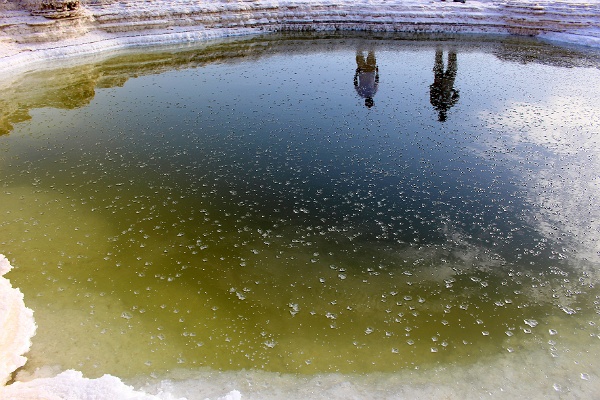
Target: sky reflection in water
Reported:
[(305, 205)]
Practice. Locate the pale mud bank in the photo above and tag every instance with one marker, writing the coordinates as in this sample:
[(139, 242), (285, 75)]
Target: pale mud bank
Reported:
[(33, 31)]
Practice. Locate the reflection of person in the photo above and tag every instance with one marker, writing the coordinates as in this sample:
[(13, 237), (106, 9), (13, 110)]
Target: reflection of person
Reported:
[(366, 78), (442, 94)]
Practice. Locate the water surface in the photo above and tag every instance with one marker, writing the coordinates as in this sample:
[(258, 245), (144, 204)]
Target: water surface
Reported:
[(313, 205)]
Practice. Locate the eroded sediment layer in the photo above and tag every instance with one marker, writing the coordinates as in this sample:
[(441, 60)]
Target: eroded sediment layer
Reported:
[(32, 32)]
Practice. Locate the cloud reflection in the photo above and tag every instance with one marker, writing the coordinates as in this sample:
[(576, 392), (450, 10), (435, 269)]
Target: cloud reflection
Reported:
[(559, 148)]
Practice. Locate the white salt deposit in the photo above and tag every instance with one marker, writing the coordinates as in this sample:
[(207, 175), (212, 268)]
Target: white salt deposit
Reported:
[(16, 326), (71, 385)]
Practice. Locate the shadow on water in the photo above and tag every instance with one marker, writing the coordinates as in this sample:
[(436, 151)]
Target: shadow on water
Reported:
[(233, 205)]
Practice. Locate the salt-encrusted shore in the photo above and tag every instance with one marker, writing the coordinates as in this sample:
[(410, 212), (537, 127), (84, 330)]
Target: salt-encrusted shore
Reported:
[(16, 325), (28, 36)]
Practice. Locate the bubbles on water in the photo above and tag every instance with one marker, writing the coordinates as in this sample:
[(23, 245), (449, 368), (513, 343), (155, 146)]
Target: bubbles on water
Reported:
[(568, 310), (531, 322), (584, 376), (557, 387), (294, 308)]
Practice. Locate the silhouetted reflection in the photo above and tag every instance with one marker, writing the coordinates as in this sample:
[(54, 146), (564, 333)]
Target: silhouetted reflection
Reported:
[(366, 77), (442, 94)]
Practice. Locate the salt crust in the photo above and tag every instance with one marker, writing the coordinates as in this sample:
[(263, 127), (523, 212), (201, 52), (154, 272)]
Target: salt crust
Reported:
[(16, 326), (71, 385)]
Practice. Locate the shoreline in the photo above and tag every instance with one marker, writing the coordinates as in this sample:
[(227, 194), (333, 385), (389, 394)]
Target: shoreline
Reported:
[(27, 41)]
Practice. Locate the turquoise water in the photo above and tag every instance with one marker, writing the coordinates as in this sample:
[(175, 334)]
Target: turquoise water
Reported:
[(279, 204)]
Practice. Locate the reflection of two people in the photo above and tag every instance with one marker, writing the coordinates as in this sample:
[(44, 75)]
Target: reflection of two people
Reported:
[(442, 94), (366, 77)]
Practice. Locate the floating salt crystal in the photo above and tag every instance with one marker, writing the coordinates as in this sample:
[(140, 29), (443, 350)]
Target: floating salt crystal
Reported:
[(531, 322)]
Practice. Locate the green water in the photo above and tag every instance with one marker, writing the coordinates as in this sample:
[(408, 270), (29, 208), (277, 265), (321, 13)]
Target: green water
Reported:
[(239, 206)]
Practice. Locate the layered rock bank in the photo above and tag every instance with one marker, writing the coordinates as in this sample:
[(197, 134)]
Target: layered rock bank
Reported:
[(36, 30)]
